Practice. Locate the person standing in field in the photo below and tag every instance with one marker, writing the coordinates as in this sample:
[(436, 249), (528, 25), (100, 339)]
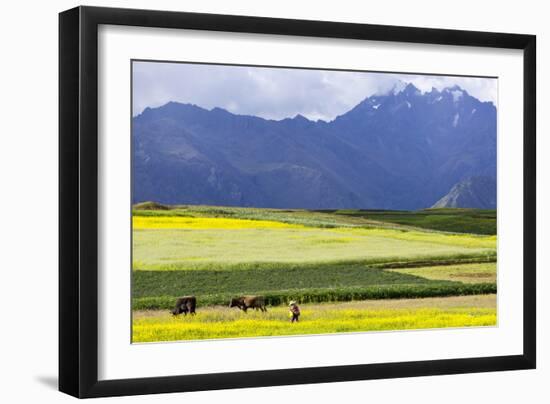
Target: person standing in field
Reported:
[(294, 312)]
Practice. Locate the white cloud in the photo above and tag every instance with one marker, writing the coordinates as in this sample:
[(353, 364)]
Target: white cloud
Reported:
[(277, 93)]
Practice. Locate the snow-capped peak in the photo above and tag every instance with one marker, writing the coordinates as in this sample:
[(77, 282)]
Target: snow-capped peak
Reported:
[(457, 95), (456, 92), (398, 87)]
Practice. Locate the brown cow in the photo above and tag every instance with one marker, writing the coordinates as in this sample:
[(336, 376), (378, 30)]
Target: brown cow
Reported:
[(185, 304), (247, 302)]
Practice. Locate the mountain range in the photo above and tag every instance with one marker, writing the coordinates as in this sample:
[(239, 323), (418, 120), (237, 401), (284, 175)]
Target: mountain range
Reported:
[(401, 150)]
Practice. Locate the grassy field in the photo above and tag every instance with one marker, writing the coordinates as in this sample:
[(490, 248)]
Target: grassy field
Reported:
[(216, 253), (466, 273), (221, 322), (476, 221)]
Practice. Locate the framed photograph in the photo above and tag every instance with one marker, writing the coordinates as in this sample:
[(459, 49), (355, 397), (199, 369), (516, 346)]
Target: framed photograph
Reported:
[(251, 201)]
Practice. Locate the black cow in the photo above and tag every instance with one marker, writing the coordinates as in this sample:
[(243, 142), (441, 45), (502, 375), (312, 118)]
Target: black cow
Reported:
[(185, 304), (247, 302)]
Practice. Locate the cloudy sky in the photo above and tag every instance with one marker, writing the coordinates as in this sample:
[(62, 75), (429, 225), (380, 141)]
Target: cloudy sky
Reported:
[(277, 93)]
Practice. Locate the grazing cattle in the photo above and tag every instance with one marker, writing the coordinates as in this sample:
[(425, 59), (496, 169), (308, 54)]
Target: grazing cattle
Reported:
[(248, 302), (185, 304)]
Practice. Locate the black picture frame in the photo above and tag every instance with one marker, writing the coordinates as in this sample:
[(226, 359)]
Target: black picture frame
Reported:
[(78, 200)]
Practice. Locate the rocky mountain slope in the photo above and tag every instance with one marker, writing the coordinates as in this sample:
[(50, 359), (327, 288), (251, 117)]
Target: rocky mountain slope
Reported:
[(473, 192)]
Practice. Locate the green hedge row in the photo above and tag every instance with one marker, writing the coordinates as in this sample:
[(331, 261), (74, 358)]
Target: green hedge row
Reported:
[(331, 295)]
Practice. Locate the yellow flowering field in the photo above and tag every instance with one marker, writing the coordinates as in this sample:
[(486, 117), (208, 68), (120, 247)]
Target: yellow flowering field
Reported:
[(197, 223), (222, 322)]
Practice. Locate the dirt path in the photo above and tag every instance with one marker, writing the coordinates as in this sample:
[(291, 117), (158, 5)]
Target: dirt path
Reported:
[(477, 301)]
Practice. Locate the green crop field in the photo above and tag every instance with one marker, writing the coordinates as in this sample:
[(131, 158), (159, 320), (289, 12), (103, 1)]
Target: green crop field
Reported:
[(313, 283), (216, 253)]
